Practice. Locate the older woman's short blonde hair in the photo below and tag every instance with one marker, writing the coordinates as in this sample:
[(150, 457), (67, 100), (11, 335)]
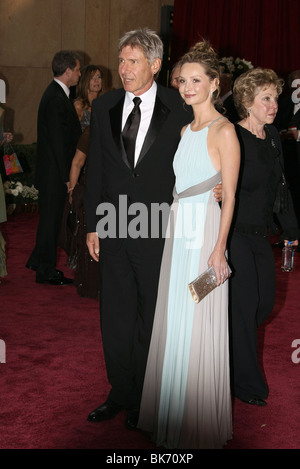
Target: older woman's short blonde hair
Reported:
[(249, 84)]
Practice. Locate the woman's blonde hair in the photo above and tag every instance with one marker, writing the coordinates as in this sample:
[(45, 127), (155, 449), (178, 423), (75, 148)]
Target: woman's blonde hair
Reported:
[(249, 84), (204, 54)]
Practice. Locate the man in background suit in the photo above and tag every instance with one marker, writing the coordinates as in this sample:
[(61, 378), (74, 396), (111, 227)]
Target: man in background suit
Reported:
[(287, 122), (226, 98), (129, 266), (58, 131)]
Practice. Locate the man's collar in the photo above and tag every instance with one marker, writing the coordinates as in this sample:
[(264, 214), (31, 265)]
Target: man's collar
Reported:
[(64, 87), (149, 95)]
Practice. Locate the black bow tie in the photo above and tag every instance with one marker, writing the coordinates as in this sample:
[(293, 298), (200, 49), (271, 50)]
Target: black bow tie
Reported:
[(131, 129)]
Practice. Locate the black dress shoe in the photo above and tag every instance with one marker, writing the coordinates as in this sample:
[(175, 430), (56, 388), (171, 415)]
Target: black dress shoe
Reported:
[(31, 266), (132, 419), (55, 280), (106, 411), (255, 401)]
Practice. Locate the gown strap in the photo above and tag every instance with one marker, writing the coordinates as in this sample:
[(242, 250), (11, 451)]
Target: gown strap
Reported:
[(216, 120)]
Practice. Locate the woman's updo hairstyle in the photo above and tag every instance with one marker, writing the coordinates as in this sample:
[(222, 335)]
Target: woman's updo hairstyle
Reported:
[(204, 54)]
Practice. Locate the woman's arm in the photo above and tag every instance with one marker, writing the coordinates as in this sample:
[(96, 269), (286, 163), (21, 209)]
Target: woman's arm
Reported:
[(6, 137), (79, 108), (77, 164), (228, 151)]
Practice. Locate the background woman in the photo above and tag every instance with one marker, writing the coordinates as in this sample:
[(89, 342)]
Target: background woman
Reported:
[(88, 88), (186, 399), (252, 286), (86, 277)]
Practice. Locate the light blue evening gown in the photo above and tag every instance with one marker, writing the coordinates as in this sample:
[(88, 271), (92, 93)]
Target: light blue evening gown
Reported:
[(186, 400)]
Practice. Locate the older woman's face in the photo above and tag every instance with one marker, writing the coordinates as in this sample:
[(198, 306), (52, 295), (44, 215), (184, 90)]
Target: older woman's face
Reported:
[(265, 105)]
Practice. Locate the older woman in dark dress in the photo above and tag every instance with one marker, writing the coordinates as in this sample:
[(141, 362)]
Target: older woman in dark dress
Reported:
[(252, 286)]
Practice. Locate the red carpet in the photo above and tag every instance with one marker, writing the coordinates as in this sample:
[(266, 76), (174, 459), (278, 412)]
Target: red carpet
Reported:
[(54, 373)]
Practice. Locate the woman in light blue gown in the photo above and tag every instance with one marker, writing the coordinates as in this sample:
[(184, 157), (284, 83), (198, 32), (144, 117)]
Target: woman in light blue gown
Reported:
[(186, 400)]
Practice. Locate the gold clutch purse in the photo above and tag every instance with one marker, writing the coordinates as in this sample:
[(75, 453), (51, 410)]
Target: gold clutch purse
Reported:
[(204, 284)]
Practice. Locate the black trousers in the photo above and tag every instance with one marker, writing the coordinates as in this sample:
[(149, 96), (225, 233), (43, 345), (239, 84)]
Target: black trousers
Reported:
[(44, 254), (128, 290), (252, 296)]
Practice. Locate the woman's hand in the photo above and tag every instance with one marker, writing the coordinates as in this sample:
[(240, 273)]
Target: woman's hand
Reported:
[(294, 243), (219, 262), (6, 138)]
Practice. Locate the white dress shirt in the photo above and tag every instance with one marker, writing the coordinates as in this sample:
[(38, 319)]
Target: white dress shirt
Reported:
[(146, 107), (64, 87)]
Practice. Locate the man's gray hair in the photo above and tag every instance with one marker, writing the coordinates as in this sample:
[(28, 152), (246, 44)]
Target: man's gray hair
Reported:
[(145, 39)]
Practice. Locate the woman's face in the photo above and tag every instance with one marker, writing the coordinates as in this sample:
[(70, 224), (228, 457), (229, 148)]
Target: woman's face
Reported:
[(195, 86), (96, 82), (265, 105)]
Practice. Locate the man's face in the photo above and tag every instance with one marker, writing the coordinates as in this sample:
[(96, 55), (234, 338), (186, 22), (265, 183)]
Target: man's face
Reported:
[(136, 73), (74, 74)]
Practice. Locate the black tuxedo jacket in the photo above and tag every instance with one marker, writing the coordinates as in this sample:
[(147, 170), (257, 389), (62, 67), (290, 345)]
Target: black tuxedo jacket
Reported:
[(231, 112), (58, 133), (285, 116), (108, 172)]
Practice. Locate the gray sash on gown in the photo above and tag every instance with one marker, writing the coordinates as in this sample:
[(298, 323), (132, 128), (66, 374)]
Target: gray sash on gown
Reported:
[(164, 279), (200, 188)]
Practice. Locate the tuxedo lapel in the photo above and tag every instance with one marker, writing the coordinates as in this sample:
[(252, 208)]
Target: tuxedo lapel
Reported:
[(295, 120), (160, 114), (115, 115), (69, 103)]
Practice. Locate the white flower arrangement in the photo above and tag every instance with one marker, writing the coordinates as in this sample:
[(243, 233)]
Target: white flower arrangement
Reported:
[(235, 66), (17, 189)]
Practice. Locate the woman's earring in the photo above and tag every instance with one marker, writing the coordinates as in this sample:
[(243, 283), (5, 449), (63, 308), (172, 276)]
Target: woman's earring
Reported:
[(248, 112)]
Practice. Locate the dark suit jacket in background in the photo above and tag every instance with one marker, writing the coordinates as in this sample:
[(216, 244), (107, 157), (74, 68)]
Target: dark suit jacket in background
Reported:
[(58, 131), (231, 112), (286, 118)]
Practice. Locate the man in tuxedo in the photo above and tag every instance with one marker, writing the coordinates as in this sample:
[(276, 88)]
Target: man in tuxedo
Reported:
[(226, 97), (58, 130), (130, 263), (287, 122)]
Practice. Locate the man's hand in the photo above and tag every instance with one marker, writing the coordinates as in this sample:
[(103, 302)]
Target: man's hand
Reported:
[(6, 137), (218, 192), (92, 242)]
